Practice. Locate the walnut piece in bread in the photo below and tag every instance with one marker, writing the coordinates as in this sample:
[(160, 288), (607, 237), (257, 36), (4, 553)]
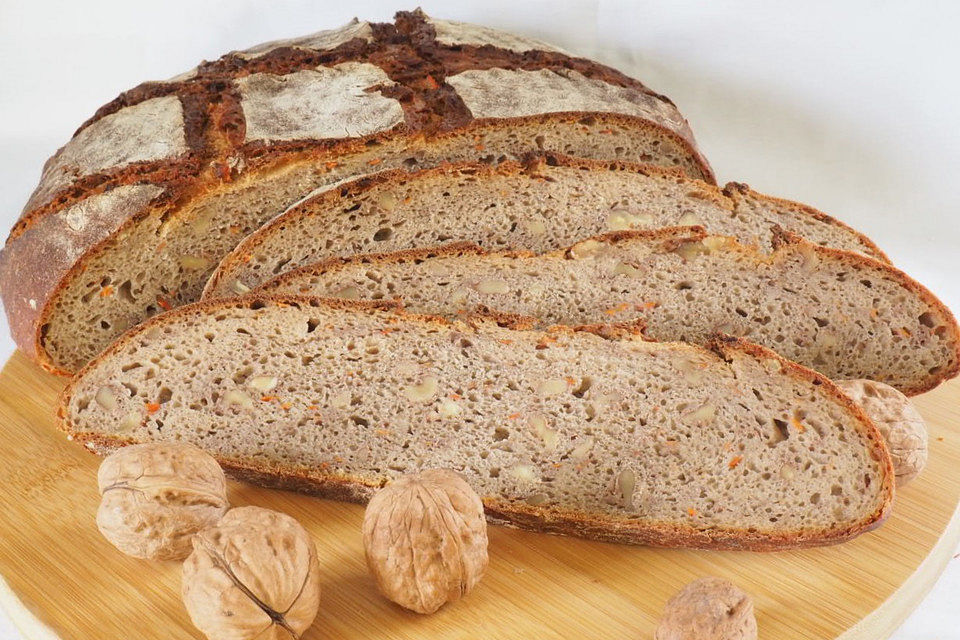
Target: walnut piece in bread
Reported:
[(899, 422), (708, 609), (425, 538), (156, 496)]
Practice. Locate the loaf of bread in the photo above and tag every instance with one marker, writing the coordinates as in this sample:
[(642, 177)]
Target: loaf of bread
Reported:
[(841, 313), (592, 432), (547, 203), (133, 213)]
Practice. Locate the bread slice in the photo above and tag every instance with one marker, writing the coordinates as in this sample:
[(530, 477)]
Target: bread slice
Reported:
[(841, 313), (135, 211), (549, 203), (595, 433)]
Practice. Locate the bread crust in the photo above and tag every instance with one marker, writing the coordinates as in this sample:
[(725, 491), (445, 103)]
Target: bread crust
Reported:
[(549, 520), (217, 156), (737, 190)]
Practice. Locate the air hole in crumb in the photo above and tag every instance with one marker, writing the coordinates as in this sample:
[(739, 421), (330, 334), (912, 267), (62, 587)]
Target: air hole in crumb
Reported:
[(123, 291)]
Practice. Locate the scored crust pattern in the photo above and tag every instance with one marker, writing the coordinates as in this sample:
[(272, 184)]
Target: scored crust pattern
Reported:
[(250, 110), (148, 131), (203, 112)]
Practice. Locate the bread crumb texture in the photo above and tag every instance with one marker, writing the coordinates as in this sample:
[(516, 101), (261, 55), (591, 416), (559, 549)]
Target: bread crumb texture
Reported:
[(556, 426)]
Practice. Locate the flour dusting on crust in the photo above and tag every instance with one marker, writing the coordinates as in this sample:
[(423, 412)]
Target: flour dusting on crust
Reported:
[(328, 102), (151, 130), (319, 41), (451, 32), (506, 93)]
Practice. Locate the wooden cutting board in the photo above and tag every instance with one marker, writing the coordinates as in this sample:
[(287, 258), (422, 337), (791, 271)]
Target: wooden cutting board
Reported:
[(66, 581)]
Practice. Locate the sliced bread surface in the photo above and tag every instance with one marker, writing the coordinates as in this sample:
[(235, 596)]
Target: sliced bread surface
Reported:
[(843, 314), (546, 204), (595, 433), (132, 214)]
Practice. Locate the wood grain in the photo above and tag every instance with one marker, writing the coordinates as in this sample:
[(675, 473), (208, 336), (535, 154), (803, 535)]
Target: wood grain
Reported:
[(60, 570)]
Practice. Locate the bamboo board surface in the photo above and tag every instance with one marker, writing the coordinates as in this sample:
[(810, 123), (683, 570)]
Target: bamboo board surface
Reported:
[(64, 580)]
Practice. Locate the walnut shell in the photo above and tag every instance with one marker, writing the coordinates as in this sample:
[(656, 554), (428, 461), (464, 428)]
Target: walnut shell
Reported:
[(425, 538), (708, 609), (156, 496), (254, 575), (898, 421)]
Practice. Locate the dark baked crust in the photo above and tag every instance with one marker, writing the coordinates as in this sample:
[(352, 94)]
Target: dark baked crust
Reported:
[(338, 486), (216, 153)]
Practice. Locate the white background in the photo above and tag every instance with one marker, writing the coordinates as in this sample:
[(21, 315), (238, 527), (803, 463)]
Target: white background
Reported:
[(850, 106)]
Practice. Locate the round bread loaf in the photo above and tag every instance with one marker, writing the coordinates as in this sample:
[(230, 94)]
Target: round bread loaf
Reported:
[(133, 213)]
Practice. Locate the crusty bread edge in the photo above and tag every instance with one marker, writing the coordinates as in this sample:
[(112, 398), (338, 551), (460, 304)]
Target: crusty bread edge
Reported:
[(670, 235), (567, 522), (732, 189), (784, 238)]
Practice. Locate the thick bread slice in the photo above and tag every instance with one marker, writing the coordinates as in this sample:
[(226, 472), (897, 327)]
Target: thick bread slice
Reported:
[(133, 213), (564, 431), (549, 203), (841, 313)]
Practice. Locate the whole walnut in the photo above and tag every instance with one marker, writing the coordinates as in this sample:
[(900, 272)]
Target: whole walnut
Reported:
[(156, 496), (708, 609), (254, 575), (899, 423), (425, 538)]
